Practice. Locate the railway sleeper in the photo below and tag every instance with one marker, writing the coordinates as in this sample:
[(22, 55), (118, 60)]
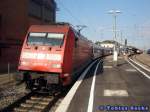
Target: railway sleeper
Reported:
[(35, 102), (28, 107), (23, 109), (41, 98)]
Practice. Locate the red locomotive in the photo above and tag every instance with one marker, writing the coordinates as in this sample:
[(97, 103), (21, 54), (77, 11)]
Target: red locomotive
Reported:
[(53, 54)]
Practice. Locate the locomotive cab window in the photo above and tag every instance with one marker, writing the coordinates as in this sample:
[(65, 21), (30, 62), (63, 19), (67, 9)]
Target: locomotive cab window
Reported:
[(52, 39), (36, 38)]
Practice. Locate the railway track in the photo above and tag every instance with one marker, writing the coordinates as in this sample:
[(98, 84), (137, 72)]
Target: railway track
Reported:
[(33, 102), (140, 61), (6, 79)]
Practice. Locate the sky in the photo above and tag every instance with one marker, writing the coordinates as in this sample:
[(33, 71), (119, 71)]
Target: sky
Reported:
[(133, 23)]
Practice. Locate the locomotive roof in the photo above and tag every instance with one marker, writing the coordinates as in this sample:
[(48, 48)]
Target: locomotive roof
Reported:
[(62, 27)]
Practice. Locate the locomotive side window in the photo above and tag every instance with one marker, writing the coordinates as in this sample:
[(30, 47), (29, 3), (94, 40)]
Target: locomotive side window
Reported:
[(76, 39), (52, 39)]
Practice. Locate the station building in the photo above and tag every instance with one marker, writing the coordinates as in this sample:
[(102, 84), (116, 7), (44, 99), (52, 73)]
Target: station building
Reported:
[(107, 45), (15, 18)]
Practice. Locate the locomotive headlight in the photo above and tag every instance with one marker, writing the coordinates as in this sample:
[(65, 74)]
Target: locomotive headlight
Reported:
[(54, 57), (56, 65), (24, 63)]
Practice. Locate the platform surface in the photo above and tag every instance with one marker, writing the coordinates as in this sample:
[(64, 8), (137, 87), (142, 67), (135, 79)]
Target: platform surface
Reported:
[(115, 86)]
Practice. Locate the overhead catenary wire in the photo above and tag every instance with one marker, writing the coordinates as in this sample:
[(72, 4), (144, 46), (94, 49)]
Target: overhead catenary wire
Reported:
[(74, 17), (69, 12)]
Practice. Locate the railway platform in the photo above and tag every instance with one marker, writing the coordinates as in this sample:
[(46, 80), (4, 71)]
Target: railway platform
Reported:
[(107, 88)]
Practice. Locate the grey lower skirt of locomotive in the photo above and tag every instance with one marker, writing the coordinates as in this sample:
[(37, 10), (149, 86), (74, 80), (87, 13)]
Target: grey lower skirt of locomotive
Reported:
[(39, 80)]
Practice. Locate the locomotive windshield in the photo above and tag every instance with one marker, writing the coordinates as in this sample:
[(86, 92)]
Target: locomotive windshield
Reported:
[(51, 39)]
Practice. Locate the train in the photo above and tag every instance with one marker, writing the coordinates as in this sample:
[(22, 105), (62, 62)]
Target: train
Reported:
[(99, 51), (54, 55)]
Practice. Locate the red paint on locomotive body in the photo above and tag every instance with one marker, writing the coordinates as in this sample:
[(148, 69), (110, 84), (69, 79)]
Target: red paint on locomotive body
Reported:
[(54, 49), (38, 57)]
